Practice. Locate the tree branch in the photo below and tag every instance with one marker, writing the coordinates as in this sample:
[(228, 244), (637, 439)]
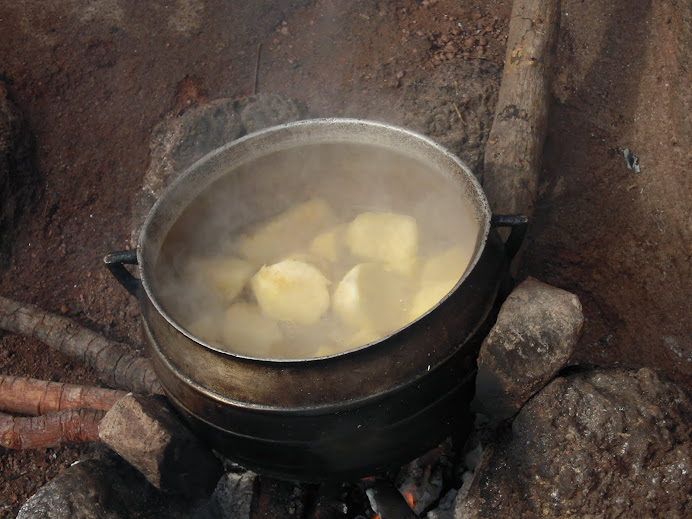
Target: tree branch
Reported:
[(35, 397), (49, 430), (117, 365)]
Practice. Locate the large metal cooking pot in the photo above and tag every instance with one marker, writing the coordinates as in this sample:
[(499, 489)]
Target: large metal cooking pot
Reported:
[(346, 415)]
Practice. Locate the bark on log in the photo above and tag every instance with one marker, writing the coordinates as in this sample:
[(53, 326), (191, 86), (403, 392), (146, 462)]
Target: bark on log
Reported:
[(513, 154), (117, 365), (49, 430), (36, 397)]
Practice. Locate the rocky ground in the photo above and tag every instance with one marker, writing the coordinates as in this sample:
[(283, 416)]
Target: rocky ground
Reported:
[(94, 79)]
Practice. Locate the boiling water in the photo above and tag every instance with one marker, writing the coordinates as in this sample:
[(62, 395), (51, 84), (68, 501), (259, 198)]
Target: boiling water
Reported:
[(314, 251)]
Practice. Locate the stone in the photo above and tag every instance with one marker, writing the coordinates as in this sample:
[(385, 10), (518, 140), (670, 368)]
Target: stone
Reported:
[(106, 488), (179, 142), (533, 338), (146, 433), (232, 497), (445, 509), (595, 444), (268, 109)]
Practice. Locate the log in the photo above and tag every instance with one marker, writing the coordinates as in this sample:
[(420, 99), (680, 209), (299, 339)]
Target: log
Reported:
[(49, 430), (512, 161), (117, 366), (36, 397)]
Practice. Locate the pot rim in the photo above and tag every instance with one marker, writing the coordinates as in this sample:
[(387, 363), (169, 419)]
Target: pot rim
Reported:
[(301, 135)]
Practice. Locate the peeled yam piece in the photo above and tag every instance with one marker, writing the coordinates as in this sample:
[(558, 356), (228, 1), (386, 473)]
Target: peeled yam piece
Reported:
[(292, 290), (450, 265), (329, 244), (427, 297), (246, 330), (226, 277), (286, 232), (207, 327), (439, 274), (390, 238), (348, 339), (371, 297)]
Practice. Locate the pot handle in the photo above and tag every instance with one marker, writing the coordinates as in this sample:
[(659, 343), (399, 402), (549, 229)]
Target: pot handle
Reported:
[(519, 224), (116, 261)]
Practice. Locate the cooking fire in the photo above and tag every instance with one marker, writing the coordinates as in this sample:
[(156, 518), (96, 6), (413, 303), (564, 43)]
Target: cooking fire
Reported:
[(338, 299)]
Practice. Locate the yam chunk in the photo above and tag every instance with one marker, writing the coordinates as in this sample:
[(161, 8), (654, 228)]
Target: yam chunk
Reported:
[(287, 232), (450, 265), (427, 297), (389, 238), (371, 297), (207, 327), (225, 277), (292, 290), (246, 330), (439, 274), (329, 244)]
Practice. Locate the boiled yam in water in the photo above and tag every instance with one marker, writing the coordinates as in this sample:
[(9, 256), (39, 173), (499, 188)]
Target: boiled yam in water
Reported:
[(371, 297), (389, 238), (292, 290), (246, 330), (287, 232), (329, 244), (448, 266), (226, 277), (207, 328), (439, 274)]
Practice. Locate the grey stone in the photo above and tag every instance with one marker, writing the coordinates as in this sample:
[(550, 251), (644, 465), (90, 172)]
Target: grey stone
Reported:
[(268, 109), (599, 444), (146, 433), (534, 337), (179, 142), (232, 498), (445, 509), (100, 489)]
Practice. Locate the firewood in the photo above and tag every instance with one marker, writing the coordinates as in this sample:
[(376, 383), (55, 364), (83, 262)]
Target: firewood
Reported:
[(513, 154), (35, 397), (117, 366), (49, 430)]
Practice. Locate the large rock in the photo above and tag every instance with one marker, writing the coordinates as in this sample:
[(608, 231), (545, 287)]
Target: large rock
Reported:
[(101, 489), (145, 432), (534, 337), (179, 142), (600, 444)]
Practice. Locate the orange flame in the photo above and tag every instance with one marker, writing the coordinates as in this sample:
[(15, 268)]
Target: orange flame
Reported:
[(409, 499)]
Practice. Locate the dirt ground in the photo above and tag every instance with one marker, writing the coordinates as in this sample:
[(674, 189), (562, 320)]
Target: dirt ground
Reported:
[(94, 77)]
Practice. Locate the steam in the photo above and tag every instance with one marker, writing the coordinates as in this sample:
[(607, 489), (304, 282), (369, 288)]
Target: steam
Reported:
[(351, 178)]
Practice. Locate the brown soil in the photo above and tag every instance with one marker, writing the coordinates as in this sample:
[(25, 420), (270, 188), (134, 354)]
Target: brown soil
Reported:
[(94, 78)]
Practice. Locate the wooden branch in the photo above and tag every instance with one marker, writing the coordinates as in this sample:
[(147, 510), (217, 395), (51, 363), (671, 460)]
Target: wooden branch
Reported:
[(49, 430), (117, 365), (515, 144), (35, 397)]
